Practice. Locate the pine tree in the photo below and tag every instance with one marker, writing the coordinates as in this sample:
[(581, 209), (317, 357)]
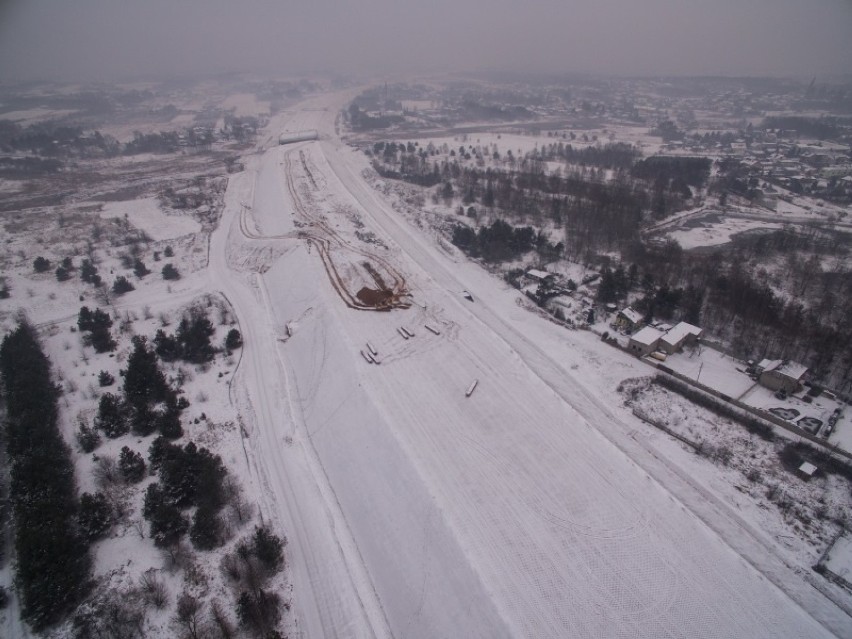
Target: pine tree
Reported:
[(111, 418), (95, 516), (52, 561), (131, 465)]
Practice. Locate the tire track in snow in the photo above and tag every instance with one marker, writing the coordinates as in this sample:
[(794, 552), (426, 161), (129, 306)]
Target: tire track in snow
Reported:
[(324, 609)]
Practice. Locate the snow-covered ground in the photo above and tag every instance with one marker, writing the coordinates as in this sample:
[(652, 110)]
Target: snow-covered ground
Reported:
[(535, 507), (150, 218), (714, 234), (520, 510), (839, 559)]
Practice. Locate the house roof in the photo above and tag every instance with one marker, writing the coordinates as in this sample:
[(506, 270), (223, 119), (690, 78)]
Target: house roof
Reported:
[(793, 370), (769, 364), (538, 274), (679, 332), (648, 336), (630, 315), (807, 468), (561, 300)]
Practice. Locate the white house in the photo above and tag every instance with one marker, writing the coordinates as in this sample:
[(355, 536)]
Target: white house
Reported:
[(645, 341), (680, 334)]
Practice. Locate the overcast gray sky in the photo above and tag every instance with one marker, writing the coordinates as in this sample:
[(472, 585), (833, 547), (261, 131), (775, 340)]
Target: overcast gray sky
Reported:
[(109, 39)]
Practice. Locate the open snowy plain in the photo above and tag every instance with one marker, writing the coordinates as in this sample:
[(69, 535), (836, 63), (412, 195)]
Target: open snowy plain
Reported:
[(413, 510)]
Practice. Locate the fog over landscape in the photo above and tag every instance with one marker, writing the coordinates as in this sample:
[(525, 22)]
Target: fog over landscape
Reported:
[(102, 39)]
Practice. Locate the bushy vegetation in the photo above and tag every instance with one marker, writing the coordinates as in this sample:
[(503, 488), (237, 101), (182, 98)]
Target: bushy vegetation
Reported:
[(191, 341), (255, 561), (495, 243), (188, 476), (169, 272), (752, 424), (96, 325), (122, 285)]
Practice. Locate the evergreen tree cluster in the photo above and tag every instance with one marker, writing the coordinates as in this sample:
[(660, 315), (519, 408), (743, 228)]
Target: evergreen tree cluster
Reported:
[(672, 169), (617, 155), (255, 561), (191, 341), (89, 273), (63, 271), (122, 285), (53, 563), (97, 324), (188, 477), (496, 243), (148, 403)]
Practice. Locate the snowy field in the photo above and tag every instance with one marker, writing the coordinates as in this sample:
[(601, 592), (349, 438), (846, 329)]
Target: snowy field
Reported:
[(839, 560), (150, 218), (706, 233), (712, 368)]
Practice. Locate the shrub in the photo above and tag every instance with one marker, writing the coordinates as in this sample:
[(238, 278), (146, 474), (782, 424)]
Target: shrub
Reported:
[(269, 549), (41, 265), (153, 589), (131, 465), (87, 437), (206, 531), (105, 379), (88, 273), (170, 272), (95, 516), (139, 269), (168, 525), (111, 418), (122, 285), (233, 340), (259, 611)]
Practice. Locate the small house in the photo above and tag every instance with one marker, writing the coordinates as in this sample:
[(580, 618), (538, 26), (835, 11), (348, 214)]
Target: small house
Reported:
[(542, 277), (776, 374), (628, 319), (645, 341), (807, 470), (678, 336)]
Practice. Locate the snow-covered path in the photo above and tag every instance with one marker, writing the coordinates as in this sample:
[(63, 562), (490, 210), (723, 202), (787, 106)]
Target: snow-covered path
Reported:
[(416, 512)]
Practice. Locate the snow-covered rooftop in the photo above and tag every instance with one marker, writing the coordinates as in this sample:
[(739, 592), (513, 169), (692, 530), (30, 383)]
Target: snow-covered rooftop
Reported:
[(793, 370), (807, 468), (538, 274), (679, 332), (769, 364), (630, 315), (647, 336)]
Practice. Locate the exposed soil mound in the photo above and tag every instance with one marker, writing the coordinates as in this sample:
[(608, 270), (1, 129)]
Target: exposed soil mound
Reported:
[(375, 298)]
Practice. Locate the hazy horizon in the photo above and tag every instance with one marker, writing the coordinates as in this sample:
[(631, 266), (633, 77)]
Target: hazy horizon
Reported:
[(96, 40)]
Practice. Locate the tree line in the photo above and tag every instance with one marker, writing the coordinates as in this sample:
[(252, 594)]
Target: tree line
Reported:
[(53, 566)]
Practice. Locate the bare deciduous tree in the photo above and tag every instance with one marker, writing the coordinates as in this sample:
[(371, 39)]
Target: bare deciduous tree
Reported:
[(153, 588), (187, 614)]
